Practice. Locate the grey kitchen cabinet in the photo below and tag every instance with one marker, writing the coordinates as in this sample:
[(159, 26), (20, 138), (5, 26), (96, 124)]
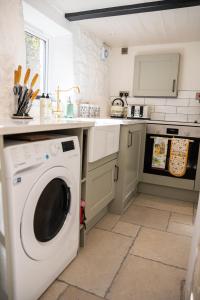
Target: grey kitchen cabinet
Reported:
[(156, 75), (100, 189), (130, 164)]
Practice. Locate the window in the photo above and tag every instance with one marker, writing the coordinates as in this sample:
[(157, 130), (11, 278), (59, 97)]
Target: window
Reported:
[(36, 58)]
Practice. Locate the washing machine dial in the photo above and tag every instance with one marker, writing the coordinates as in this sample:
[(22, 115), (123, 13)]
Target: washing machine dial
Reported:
[(54, 148)]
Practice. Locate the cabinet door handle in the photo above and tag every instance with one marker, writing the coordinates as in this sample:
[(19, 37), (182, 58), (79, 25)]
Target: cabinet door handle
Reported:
[(173, 85), (130, 134), (116, 176)]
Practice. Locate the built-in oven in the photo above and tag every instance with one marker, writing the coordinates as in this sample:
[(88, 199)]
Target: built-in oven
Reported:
[(167, 132)]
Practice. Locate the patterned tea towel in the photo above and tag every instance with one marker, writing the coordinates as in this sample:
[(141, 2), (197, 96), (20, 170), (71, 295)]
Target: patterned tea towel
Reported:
[(159, 153), (178, 157)]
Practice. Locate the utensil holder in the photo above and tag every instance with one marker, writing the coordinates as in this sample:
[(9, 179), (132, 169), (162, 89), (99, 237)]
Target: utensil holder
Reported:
[(21, 108)]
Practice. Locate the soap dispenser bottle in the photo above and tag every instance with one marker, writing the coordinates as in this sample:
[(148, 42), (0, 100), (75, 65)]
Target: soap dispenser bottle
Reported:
[(69, 109), (49, 106), (42, 106)]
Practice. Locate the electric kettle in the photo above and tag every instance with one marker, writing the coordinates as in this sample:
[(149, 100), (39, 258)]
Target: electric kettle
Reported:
[(117, 108)]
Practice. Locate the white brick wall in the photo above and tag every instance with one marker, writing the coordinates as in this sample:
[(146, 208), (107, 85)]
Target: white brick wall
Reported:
[(90, 72), (12, 51)]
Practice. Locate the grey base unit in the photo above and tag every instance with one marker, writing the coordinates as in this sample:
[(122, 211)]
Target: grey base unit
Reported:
[(130, 163), (100, 189), (168, 181), (168, 192)]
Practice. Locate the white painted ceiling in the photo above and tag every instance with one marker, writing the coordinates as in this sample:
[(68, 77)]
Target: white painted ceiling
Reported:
[(170, 26)]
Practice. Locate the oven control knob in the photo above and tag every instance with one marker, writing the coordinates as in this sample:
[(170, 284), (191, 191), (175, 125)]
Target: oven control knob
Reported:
[(54, 148)]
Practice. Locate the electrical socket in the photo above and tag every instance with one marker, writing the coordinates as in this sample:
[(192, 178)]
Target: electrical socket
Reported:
[(124, 94)]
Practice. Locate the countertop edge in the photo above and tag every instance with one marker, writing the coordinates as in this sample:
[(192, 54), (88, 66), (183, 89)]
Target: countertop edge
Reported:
[(9, 126), (26, 128)]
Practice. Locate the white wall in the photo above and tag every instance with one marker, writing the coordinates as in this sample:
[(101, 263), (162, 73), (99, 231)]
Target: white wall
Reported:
[(185, 107), (12, 51)]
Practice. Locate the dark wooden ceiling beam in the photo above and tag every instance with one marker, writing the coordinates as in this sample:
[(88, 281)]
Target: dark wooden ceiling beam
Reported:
[(130, 9)]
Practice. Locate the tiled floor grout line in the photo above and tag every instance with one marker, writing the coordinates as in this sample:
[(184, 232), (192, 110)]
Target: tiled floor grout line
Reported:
[(170, 215), (135, 204), (127, 236), (115, 223), (178, 222), (157, 229), (78, 287), (159, 262), (163, 230), (62, 293), (122, 262), (60, 280)]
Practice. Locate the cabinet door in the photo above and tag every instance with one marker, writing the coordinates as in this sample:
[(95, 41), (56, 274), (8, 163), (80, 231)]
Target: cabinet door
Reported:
[(132, 162), (100, 188), (156, 75)]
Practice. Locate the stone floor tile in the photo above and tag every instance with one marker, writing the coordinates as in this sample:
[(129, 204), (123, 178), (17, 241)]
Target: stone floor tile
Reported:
[(96, 265), (126, 229), (179, 228), (54, 291), (108, 222), (183, 207), (162, 246), (142, 279), (181, 218), (146, 216), (73, 293)]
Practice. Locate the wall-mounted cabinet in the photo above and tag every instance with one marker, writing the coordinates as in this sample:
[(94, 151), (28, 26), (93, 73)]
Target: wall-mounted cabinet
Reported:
[(156, 75)]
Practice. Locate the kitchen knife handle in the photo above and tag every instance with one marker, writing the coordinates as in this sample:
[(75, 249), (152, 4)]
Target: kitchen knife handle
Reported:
[(27, 75), (34, 80), (173, 85), (19, 73), (34, 95)]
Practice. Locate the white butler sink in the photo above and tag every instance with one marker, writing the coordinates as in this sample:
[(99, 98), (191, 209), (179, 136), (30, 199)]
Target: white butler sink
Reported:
[(103, 139)]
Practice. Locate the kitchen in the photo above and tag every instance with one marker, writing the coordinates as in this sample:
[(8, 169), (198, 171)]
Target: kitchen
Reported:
[(139, 206)]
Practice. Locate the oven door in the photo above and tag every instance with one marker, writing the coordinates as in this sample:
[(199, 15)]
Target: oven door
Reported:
[(191, 163)]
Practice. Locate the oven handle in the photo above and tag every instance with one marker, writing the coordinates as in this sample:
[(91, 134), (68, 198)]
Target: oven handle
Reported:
[(191, 141)]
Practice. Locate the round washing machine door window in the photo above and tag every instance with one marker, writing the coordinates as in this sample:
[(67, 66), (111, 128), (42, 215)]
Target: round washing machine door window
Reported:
[(51, 209)]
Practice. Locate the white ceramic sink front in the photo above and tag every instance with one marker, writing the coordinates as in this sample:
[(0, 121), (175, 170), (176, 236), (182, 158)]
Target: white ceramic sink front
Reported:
[(103, 141)]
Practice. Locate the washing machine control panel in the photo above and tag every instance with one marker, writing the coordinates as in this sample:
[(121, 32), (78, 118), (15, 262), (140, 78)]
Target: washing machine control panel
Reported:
[(27, 155), (55, 148)]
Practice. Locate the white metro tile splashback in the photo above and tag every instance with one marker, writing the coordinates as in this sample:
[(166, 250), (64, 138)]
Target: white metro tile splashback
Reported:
[(171, 109)]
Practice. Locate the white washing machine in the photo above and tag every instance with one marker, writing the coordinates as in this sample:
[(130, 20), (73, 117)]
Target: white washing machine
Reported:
[(43, 184)]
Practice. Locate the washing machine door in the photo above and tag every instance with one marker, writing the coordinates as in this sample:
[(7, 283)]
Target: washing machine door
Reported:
[(50, 211)]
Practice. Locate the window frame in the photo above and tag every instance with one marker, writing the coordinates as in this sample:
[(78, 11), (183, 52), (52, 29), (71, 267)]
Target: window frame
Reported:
[(33, 31)]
